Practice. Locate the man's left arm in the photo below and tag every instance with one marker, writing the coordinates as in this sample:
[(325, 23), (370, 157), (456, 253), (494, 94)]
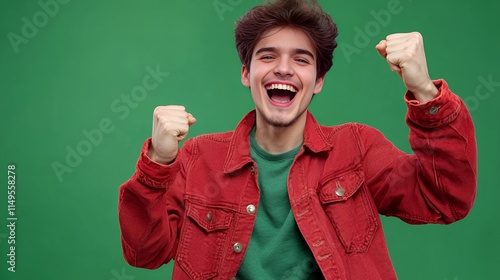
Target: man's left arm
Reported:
[(444, 166)]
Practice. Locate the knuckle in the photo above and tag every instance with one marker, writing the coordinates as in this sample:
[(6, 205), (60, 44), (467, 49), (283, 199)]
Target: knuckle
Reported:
[(417, 36), (157, 110), (165, 122), (177, 107)]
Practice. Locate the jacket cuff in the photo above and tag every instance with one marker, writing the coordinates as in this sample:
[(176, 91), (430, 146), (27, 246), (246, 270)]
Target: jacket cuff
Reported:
[(440, 111), (152, 173)]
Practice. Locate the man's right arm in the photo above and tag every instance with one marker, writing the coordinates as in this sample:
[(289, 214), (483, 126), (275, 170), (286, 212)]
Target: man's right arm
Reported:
[(150, 203)]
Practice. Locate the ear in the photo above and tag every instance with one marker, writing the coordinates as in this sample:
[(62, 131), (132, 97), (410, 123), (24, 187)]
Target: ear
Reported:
[(319, 85), (245, 79)]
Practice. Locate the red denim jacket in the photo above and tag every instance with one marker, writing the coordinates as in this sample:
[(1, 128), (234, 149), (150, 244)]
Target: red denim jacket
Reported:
[(200, 210)]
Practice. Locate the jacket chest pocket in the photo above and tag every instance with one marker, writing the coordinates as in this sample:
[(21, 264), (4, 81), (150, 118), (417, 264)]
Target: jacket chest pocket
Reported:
[(203, 239), (346, 202)]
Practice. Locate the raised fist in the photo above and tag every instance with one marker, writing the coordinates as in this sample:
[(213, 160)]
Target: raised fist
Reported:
[(405, 55), (170, 126)]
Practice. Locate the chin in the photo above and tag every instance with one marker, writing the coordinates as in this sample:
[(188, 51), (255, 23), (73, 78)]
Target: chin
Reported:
[(280, 120)]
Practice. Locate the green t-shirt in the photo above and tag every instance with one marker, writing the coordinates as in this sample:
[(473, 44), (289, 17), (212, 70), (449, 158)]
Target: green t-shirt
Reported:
[(277, 249)]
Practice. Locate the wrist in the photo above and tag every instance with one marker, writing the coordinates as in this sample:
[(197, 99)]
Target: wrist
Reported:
[(426, 93), (154, 157)]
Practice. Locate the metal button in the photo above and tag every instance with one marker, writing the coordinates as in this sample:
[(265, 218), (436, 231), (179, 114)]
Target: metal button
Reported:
[(251, 209), (237, 247), (433, 110), (339, 190), (252, 170), (208, 218)]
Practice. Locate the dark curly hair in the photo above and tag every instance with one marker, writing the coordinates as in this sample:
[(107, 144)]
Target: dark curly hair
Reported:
[(307, 16)]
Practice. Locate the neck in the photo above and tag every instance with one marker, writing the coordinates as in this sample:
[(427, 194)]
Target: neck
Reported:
[(277, 140)]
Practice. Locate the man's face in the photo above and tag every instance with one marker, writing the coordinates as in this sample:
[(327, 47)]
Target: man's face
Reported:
[(282, 76)]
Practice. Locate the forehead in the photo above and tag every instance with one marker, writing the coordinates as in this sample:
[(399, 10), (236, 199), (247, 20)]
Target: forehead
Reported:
[(285, 38)]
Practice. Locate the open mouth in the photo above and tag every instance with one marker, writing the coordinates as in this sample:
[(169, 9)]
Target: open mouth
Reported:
[(281, 93)]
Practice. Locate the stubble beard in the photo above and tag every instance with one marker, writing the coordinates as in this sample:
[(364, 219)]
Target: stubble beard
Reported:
[(281, 122)]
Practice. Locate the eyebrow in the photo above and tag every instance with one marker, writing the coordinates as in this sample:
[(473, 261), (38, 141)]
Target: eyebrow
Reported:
[(295, 51)]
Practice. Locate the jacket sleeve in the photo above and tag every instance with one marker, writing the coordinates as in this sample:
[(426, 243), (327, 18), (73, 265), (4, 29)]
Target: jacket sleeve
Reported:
[(150, 210), (436, 184)]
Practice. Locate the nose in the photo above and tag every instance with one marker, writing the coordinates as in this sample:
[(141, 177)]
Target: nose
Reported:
[(283, 67)]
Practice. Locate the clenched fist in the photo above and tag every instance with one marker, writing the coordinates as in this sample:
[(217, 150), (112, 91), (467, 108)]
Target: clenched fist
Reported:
[(170, 126), (405, 55)]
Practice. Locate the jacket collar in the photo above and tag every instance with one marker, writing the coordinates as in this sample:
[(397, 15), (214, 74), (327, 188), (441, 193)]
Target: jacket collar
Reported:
[(239, 148)]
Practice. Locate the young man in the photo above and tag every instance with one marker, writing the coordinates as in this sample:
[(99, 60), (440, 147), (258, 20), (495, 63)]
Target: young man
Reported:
[(282, 197)]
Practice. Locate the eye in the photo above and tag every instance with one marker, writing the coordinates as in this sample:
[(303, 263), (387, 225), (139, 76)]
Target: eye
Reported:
[(267, 57), (302, 60)]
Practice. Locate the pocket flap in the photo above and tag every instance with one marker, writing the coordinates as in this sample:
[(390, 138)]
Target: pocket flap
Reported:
[(340, 188), (208, 217)]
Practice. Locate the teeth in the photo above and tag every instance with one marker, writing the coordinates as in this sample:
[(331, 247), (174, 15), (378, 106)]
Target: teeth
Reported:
[(281, 86)]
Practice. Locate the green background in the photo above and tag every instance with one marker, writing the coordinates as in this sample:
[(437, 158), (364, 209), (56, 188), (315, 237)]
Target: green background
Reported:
[(88, 55)]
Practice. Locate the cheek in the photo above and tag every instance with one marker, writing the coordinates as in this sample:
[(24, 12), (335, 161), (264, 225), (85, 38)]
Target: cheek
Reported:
[(255, 79)]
